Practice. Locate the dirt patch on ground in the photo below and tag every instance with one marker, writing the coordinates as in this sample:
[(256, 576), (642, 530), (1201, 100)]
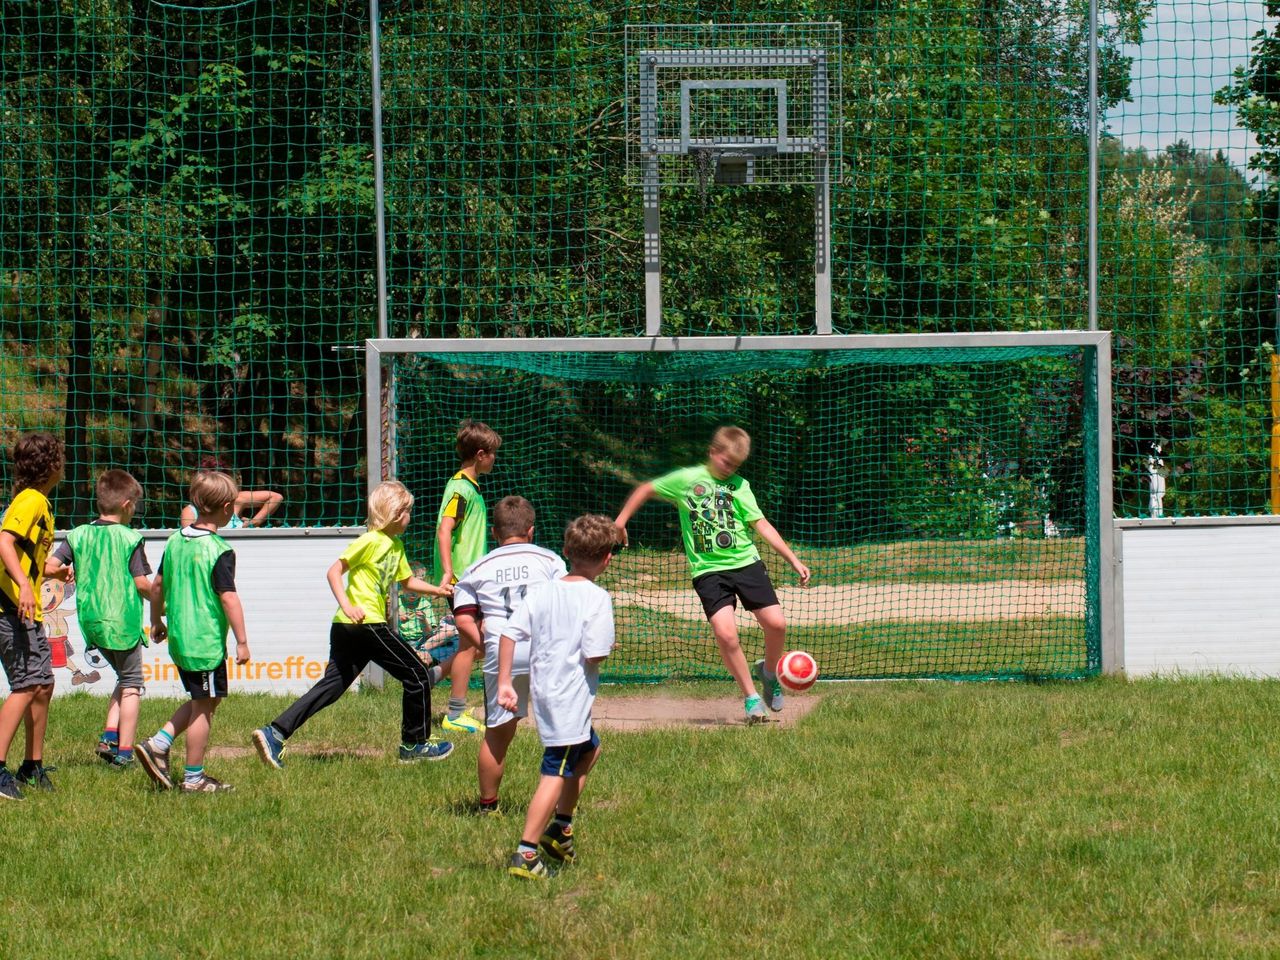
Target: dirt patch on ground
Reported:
[(882, 602), (659, 711)]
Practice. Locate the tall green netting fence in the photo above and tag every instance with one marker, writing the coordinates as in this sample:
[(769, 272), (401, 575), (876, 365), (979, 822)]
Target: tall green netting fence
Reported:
[(941, 498), (187, 222)]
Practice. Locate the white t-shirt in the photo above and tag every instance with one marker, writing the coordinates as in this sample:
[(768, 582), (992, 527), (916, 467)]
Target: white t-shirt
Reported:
[(563, 622), (494, 586)]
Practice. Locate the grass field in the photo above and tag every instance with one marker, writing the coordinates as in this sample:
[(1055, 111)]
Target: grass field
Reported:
[(1091, 819)]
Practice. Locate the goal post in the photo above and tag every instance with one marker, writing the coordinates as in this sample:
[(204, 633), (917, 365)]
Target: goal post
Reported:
[(951, 493)]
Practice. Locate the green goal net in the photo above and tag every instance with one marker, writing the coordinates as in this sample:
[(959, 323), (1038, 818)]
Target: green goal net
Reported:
[(945, 498)]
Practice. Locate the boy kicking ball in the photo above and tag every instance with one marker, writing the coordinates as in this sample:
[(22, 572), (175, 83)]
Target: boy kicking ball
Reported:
[(717, 512), (567, 627)]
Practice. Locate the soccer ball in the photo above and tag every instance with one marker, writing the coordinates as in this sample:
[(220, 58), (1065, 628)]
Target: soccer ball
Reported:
[(797, 670)]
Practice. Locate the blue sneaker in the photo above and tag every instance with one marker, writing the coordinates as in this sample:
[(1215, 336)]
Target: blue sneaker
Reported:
[(9, 789), (772, 688), (270, 746), (431, 750)]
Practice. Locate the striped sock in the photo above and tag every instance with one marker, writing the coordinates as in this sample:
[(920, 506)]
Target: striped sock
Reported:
[(456, 706), (193, 774), (162, 741)]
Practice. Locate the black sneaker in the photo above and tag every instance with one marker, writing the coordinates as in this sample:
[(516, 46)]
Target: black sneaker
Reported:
[(155, 763), (528, 867), (9, 789), (557, 843), (39, 779)]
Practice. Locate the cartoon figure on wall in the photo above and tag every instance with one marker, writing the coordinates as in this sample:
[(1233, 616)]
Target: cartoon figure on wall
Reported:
[(52, 594)]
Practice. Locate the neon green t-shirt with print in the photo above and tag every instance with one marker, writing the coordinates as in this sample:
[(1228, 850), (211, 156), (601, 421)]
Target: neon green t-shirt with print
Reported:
[(463, 502), (714, 518), (374, 562)]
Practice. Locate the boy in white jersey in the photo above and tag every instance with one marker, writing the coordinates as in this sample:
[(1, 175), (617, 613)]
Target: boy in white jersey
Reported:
[(567, 627), (484, 598)]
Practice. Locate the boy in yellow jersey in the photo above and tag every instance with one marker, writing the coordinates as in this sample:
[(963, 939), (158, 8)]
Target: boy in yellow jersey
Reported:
[(360, 633), (26, 535), (461, 528), (717, 513), (196, 583), (113, 576)]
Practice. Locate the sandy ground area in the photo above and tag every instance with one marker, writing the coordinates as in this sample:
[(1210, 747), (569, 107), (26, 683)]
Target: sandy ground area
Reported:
[(880, 602)]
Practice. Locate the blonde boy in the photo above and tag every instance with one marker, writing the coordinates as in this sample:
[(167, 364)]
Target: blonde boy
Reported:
[(111, 570), (717, 513), (196, 587), (567, 627), (360, 633), (461, 526)]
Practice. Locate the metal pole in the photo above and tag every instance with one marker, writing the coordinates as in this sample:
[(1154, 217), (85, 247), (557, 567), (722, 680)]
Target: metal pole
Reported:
[(1093, 165), (379, 190)]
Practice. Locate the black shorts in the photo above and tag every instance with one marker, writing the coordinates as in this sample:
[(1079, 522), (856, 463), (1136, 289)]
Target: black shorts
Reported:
[(205, 684), (722, 588)]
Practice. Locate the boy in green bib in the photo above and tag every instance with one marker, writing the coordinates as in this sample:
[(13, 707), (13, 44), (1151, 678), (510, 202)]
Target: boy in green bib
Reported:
[(196, 587), (111, 570), (462, 526), (717, 513)]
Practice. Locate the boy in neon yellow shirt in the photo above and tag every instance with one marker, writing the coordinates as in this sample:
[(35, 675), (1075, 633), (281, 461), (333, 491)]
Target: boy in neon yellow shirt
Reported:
[(26, 535), (196, 582), (462, 527), (107, 560), (360, 633), (717, 511)]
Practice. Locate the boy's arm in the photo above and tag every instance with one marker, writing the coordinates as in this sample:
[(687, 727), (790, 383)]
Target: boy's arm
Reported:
[(773, 538), (418, 585), (265, 500), (143, 586), (13, 567), (235, 619), (507, 697), (158, 630), (444, 543), (55, 569), (335, 574), (638, 497)]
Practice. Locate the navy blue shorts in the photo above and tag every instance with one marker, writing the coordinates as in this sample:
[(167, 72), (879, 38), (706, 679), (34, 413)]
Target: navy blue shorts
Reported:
[(562, 761)]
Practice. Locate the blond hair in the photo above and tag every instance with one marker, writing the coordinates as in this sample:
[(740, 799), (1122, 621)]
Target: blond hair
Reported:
[(589, 539), (474, 436), (115, 487), (211, 490), (388, 500), (733, 439)]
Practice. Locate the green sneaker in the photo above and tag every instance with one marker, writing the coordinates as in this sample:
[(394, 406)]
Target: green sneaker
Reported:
[(464, 722), (557, 843), (527, 867), (772, 688), (754, 707)]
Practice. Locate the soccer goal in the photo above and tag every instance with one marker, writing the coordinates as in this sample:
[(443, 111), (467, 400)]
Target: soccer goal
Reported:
[(951, 493)]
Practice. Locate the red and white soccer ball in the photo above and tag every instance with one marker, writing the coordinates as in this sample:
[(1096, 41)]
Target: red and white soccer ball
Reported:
[(797, 670)]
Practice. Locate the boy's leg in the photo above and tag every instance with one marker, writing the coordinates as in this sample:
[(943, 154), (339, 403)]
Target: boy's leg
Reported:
[(493, 759), (724, 625), (122, 715), (545, 799), (36, 718), (572, 790), (198, 728), (459, 679), (347, 657), (130, 706), (774, 625), (391, 655)]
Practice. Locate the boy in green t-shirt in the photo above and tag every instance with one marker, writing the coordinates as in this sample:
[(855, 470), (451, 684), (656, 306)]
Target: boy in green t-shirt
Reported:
[(716, 509), (110, 567), (196, 581), (462, 525), (360, 633)]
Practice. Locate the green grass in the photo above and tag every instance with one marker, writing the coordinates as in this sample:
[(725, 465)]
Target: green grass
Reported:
[(1092, 819)]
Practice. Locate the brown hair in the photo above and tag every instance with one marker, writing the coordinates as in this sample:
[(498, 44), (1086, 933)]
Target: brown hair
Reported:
[(36, 458), (114, 488), (512, 517), (474, 436), (210, 490), (734, 439), (589, 538)]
